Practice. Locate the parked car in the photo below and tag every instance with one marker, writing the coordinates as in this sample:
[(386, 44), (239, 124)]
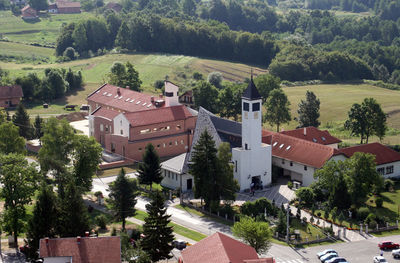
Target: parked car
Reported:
[(379, 259), (336, 260), (328, 256), (388, 245), (396, 253), (179, 244), (326, 251)]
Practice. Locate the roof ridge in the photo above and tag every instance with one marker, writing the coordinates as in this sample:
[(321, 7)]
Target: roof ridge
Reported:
[(96, 90)]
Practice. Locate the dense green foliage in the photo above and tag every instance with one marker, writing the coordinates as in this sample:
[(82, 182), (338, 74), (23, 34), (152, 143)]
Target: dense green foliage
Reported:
[(150, 169), (258, 207), (22, 121), (123, 193), (10, 141), (309, 111), (277, 109), (124, 76), (158, 236)]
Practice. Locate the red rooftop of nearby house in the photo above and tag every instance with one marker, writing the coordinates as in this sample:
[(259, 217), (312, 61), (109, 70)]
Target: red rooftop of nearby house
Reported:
[(382, 153), (161, 115), (219, 248), (8, 92), (313, 134), (83, 249)]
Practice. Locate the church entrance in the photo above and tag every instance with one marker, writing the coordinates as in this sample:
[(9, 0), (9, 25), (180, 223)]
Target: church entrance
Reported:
[(256, 182), (189, 183)]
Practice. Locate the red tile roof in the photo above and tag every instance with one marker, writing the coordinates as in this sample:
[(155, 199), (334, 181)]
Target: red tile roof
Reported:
[(105, 113), (159, 115), (298, 150), (11, 91), (108, 95), (313, 134), (98, 249), (382, 153), (218, 248)]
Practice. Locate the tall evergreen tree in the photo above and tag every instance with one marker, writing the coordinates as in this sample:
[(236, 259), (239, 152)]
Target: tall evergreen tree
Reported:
[(227, 185), (123, 193), (38, 125), (44, 220), (205, 169), (21, 120), (277, 108), (73, 219), (309, 111), (158, 235), (150, 169)]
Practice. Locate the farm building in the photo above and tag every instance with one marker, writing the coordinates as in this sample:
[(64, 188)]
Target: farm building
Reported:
[(10, 96)]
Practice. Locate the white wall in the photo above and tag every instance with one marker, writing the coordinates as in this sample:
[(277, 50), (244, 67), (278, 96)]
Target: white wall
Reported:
[(296, 171), (91, 125), (58, 260), (396, 169), (250, 163), (121, 123), (174, 180), (174, 100)]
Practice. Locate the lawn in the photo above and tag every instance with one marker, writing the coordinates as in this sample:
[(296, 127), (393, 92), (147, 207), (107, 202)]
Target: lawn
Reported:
[(113, 172), (391, 204), (26, 51), (198, 213)]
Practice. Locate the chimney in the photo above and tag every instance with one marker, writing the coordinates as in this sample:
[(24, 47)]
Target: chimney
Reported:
[(119, 92), (305, 131), (47, 241), (171, 94), (87, 234), (152, 99), (78, 239)]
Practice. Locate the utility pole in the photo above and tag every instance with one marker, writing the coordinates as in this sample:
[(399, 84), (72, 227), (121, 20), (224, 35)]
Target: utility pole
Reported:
[(287, 223)]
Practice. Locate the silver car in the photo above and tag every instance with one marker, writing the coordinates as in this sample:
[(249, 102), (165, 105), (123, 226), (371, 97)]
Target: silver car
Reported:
[(396, 253), (328, 257), (326, 251)]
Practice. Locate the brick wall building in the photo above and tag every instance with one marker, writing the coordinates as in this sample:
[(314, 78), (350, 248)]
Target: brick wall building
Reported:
[(10, 96), (125, 121)]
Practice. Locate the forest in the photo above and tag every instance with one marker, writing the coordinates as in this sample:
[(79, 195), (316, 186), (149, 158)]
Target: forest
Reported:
[(254, 32)]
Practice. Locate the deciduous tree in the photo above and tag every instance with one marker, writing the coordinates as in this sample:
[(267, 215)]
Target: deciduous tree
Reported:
[(277, 108), (265, 84), (19, 181), (206, 96), (256, 234), (10, 141), (38, 127), (158, 236), (366, 120), (123, 193), (309, 111)]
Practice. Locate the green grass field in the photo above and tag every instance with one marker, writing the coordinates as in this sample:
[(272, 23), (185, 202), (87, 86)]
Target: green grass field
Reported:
[(44, 31)]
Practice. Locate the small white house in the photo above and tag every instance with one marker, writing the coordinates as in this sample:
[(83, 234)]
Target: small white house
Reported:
[(174, 175)]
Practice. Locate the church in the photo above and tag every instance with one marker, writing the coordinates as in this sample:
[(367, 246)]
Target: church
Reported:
[(250, 156)]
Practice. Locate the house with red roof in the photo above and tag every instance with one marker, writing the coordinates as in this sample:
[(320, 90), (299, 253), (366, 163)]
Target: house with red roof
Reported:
[(314, 134), (28, 13), (10, 96), (387, 160), (81, 249), (64, 7), (124, 121), (220, 248)]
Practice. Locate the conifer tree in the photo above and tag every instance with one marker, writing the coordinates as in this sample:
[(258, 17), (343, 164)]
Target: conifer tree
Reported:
[(158, 235), (73, 219), (309, 111), (150, 169), (123, 193), (38, 127), (21, 120), (43, 222)]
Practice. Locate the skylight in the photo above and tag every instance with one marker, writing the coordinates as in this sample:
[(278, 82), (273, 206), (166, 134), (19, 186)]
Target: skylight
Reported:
[(144, 104), (109, 95), (105, 93), (275, 143), (138, 102), (116, 96), (288, 148), (314, 140), (98, 91), (323, 138), (127, 99), (120, 97), (132, 100), (280, 146), (148, 106)]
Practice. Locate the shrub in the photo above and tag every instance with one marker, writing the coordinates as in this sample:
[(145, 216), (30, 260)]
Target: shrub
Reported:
[(158, 84), (197, 75), (290, 184), (113, 231), (389, 184), (370, 217), (101, 221), (306, 195), (372, 224), (215, 78), (70, 53), (379, 202), (319, 214), (305, 219), (362, 213), (98, 193)]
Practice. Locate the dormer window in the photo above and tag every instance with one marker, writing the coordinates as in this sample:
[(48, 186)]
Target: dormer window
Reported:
[(256, 106), (245, 106)]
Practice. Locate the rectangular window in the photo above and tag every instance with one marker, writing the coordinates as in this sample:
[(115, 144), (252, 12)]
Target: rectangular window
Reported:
[(122, 132), (169, 94), (168, 174), (182, 142), (106, 128), (164, 145), (140, 149), (283, 161), (256, 106), (101, 127), (291, 163), (381, 171), (245, 106), (176, 142), (145, 131), (158, 146), (170, 143), (389, 169), (176, 176), (305, 168), (178, 127), (236, 166)]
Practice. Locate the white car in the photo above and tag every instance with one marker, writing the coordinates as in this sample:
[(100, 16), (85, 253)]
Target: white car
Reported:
[(379, 259), (328, 256), (326, 251), (396, 253)]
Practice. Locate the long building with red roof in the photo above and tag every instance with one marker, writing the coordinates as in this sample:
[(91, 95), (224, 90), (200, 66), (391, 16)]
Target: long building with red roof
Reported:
[(124, 121)]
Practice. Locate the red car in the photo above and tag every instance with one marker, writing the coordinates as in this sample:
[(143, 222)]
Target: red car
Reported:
[(388, 245)]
